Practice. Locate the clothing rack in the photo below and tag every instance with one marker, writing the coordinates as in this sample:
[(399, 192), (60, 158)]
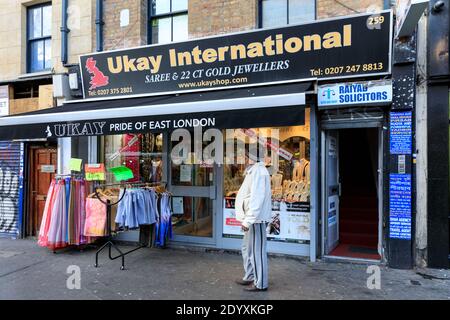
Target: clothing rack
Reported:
[(70, 175), (132, 184), (111, 242)]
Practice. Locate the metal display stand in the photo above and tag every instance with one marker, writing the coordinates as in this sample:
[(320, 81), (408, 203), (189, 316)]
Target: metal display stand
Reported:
[(110, 241)]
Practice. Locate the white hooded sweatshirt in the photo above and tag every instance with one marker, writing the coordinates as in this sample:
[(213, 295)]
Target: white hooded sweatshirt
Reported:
[(254, 199)]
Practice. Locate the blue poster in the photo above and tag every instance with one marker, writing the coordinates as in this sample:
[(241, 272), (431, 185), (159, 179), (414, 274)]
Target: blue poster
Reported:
[(400, 206), (401, 133)]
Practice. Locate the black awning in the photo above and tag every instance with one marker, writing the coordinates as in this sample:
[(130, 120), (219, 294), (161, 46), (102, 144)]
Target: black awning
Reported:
[(239, 108)]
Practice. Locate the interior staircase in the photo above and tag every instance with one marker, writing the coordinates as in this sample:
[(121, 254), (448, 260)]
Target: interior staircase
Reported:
[(359, 221)]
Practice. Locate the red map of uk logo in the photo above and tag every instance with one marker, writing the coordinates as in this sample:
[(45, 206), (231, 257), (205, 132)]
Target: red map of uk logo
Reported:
[(98, 79)]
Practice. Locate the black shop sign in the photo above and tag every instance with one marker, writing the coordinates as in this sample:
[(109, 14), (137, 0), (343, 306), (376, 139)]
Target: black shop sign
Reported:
[(338, 48), (224, 119)]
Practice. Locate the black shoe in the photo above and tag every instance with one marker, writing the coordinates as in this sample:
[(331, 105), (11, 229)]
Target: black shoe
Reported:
[(244, 282), (253, 288)]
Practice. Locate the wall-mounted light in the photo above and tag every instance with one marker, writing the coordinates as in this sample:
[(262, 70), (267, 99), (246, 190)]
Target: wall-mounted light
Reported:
[(73, 81), (438, 6), (58, 85)]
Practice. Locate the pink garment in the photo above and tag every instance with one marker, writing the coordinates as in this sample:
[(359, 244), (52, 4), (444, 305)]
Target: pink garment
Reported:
[(56, 220), (58, 224), (95, 218), (78, 214), (82, 213), (46, 217)]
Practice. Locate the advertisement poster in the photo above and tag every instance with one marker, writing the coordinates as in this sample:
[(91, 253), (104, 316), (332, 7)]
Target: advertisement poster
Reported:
[(332, 147), (185, 173), (332, 209), (400, 206), (177, 205), (285, 224), (401, 132)]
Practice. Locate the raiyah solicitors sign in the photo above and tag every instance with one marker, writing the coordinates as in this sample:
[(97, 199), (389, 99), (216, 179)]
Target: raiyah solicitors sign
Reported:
[(339, 48), (378, 92)]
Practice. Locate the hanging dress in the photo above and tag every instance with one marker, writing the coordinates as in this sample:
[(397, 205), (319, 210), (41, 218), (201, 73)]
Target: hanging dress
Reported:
[(57, 232), (46, 216)]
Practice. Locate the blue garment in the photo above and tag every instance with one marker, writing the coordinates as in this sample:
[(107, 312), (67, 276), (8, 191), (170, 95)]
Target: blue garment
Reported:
[(154, 206), (67, 185), (138, 207), (150, 208), (141, 205), (121, 210), (164, 225), (131, 220)]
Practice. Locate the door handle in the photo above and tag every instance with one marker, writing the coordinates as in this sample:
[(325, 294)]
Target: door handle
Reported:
[(212, 192)]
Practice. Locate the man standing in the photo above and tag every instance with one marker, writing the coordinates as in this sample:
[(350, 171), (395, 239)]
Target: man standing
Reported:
[(253, 210)]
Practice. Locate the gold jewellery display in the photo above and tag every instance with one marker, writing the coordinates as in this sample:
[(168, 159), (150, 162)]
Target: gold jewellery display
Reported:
[(296, 190)]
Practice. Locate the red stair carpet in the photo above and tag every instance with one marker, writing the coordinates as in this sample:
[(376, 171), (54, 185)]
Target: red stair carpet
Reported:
[(358, 227)]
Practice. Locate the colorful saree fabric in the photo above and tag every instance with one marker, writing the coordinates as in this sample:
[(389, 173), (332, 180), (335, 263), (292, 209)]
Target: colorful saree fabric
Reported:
[(64, 214)]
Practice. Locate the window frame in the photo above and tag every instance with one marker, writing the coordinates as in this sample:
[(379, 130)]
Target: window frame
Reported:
[(171, 14), (260, 12), (31, 40)]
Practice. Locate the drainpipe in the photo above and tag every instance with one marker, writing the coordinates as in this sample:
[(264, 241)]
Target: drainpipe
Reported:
[(64, 32), (99, 25)]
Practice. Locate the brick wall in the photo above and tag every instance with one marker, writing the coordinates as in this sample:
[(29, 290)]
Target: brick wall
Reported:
[(334, 8), (117, 37), (221, 16), (207, 18)]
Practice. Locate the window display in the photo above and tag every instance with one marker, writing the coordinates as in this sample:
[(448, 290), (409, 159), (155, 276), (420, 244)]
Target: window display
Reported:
[(290, 182), (142, 153)]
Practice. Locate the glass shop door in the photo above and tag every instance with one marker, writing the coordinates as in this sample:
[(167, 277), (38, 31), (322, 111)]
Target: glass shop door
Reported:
[(193, 187)]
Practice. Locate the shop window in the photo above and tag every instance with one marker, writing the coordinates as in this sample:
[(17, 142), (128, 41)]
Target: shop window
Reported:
[(168, 21), (288, 162), (275, 13), (142, 153), (39, 41)]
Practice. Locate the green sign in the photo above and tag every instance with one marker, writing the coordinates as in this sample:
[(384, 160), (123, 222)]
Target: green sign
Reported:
[(122, 173), (75, 164)]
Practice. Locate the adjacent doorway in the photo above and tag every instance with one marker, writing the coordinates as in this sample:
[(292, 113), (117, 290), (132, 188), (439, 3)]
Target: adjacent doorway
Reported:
[(42, 168), (351, 193)]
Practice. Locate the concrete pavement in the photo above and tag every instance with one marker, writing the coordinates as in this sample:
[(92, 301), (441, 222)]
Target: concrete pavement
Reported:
[(28, 271)]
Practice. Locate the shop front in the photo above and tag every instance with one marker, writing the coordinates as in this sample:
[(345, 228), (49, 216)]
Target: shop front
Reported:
[(353, 116), (165, 111), (203, 194)]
